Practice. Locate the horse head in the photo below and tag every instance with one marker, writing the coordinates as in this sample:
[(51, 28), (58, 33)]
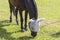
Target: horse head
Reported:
[(34, 25)]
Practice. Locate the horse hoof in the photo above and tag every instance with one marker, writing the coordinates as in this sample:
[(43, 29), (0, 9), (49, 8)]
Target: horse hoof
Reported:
[(25, 29), (22, 30), (10, 21)]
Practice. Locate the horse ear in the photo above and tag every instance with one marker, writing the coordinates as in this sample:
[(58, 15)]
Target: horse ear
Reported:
[(40, 19)]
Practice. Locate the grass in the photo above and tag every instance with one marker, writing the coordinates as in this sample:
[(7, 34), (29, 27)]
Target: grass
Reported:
[(49, 30)]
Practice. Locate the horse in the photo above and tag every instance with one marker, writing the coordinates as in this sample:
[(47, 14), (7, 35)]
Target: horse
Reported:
[(29, 6)]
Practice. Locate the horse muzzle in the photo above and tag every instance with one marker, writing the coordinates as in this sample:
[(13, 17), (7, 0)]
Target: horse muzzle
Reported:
[(34, 34)]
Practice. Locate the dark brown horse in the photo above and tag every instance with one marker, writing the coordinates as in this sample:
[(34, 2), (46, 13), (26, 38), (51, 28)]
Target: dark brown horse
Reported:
[(28, 6)]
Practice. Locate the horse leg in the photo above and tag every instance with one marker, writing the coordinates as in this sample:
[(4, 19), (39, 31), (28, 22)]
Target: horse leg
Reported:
[(26, 14), (21, 19), (11, 12), (12, 8), (16, 15), (15, 12)]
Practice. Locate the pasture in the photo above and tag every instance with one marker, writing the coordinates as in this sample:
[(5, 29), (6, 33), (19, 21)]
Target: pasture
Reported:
[(49, 29)]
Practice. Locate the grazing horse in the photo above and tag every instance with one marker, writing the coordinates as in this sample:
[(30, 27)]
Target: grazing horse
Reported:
[(28, 6)]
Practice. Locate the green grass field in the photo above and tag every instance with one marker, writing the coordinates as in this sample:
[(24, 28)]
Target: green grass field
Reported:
[(49, 29)]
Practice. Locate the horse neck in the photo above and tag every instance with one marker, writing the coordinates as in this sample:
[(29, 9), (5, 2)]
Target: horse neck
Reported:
[(32, 8), (33, 15)]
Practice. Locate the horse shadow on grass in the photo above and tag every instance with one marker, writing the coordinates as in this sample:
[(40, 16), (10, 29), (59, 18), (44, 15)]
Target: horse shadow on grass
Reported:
[(5, 23), (6, 35), (3, 32), (57, 34)]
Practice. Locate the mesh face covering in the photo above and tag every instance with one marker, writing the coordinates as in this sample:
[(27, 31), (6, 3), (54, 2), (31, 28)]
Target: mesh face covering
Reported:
[(34, 24)]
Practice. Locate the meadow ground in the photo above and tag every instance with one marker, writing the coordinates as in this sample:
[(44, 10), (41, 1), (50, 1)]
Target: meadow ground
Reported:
[(49, 29)]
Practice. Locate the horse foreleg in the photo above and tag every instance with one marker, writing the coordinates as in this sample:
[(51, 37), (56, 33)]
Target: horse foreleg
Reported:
[(26, 14), (21, 20)]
